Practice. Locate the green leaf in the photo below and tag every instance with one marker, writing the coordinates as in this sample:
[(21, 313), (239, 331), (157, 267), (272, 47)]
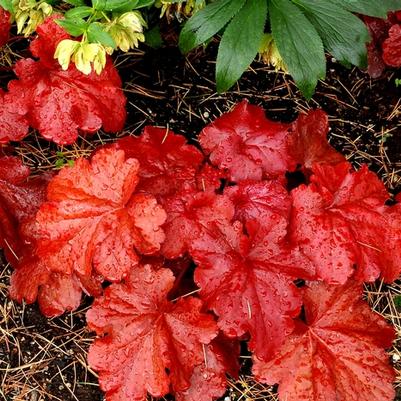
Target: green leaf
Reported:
[(144, 3), (240, 43), (97, 34), (207, 22), (76, 3), (74, 26), (99, 4), (117, 5), (153, 38), (344, 34), (79, 12), (7, 5), (299, 45), (373, 8)]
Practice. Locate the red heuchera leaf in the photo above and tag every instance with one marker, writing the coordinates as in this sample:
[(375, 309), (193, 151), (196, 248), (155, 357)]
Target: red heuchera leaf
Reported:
[(5, 26), (392, 47), (308, 141), (55, 293), (255, 200), (378, 29), (340, 220), (188, 213), (13, 123), (337, 355), (168, 164), (60, 103), (248, 279), (20, 198), (208, 381), (246, 143), (92, 216), (151, 345)]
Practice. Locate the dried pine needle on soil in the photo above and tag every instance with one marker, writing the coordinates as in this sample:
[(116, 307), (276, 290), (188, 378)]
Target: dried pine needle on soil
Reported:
[(45, 359)]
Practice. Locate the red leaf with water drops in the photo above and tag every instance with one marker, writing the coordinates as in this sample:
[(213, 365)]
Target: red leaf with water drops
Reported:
[(94, 218), (209, 381), (13, 123), (255, 200), (60, 104), (340, 220), (168, 164), (20, 198), (150, 344), (188, 214), (246, 143), (247, 279), (338, 354), (392, 47), (308, 141), (5, 26), (55, 293)]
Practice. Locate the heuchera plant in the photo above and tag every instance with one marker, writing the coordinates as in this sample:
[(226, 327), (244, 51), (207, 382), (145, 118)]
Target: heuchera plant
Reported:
[(204, 248), (58, 103), (385, 47)]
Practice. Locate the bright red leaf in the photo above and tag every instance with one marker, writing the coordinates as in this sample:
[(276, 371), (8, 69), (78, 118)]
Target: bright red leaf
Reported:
[(92, 217), (5, 26), (308, 141), (60, 103), (337, 355), (247, 280), (340, 220), (55, 293), (168, 164), (209, 381), (150, 345), (246, 143), (392, 47)]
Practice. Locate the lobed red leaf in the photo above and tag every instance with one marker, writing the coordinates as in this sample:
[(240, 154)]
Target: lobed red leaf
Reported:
[(338, 354), (340, 220), (93, 217), (150, 345), (247, 144)]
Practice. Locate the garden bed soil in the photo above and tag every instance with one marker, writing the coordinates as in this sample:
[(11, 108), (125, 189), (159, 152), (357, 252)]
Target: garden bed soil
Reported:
[(44, 359)]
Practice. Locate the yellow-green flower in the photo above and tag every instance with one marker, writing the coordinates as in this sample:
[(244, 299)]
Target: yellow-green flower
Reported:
[(83, 54), (186, 8), (29, 14), (270, 55), (127, 30)]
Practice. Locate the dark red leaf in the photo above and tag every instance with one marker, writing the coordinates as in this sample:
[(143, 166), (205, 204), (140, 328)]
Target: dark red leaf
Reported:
[(168, 164), (308, 141), (392, 47), (150, 345), (208, 381), (20, 198), (5, 26), (340, 220), (60, 103), (255, 200), (93, 217), (248, 279), (187, 215), (337, 355), (13, 123), (247, 144)]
